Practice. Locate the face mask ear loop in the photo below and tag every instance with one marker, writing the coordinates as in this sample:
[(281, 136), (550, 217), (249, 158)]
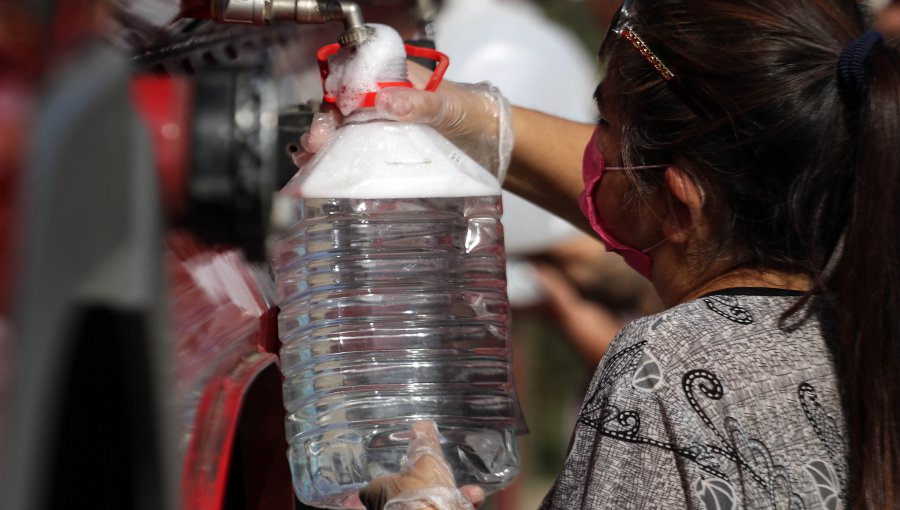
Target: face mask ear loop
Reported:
[(663, 240), (655, 246)]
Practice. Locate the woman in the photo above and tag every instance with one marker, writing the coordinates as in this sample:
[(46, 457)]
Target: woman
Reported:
[(745, 161)]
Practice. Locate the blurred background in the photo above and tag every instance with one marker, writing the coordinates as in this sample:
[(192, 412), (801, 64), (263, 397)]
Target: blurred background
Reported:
[(140, 144)]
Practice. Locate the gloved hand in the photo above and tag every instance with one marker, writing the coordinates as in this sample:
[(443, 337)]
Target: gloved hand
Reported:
[(426, 481), (476, 118), (323, 126)]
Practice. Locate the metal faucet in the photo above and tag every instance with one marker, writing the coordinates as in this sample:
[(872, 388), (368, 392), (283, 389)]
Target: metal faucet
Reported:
[(264, 12)]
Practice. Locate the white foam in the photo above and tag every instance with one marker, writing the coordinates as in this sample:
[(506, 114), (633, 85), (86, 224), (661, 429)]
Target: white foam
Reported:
[(357, 70), (391, 160)]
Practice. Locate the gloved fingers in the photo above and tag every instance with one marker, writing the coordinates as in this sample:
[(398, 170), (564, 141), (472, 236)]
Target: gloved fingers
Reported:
[(424, 439), (474, 494), (301, 158), (425, 460), (419, 75), (422, 486), (305, 143), (432, 498), (426, 480), (412, 105), (429, 470), (321, 130), (433, 479), (375, 495)]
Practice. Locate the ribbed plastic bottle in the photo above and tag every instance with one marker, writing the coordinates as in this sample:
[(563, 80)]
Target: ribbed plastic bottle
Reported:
[(393, 299)]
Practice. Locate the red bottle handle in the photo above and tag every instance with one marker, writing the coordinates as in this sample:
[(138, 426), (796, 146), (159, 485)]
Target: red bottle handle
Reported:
[(443, 62)]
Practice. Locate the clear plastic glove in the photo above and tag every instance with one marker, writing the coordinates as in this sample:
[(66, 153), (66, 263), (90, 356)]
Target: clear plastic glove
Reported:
[(426, 481), (324, 124), (476, 118)]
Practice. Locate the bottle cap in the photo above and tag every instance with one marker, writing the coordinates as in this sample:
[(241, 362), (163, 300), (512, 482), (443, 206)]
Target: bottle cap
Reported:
[(368, 99)]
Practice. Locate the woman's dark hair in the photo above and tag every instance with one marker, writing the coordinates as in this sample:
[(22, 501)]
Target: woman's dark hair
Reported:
[(802, 173)]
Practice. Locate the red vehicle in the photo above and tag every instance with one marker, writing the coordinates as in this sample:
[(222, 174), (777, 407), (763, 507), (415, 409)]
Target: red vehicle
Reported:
[(138, 151)]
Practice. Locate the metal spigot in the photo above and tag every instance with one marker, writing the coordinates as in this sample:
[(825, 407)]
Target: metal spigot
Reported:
[(264, 12)]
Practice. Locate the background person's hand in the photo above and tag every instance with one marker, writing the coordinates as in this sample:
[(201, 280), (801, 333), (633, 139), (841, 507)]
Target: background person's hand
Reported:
[(589, 325), (426, 481)]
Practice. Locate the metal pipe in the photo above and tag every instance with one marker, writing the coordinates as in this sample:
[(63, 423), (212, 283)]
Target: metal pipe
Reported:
[(263, 12)]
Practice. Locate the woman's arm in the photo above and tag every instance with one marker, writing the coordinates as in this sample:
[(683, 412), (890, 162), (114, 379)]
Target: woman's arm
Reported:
[(546, 162), (545, 165)]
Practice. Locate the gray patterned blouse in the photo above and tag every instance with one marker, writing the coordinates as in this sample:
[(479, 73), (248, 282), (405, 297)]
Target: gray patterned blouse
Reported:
[(711, 405)]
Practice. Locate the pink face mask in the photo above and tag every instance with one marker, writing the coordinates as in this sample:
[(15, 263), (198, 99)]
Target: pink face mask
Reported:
[(592, 169)]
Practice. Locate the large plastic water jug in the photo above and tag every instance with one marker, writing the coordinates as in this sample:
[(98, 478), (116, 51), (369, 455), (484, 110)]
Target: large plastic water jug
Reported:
[(393, 300)]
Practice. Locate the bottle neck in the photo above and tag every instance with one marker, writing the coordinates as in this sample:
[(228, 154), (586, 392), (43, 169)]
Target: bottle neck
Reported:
[(364, 115)]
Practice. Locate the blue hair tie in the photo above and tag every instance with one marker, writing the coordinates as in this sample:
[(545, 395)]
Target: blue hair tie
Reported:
[(852, 64)]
